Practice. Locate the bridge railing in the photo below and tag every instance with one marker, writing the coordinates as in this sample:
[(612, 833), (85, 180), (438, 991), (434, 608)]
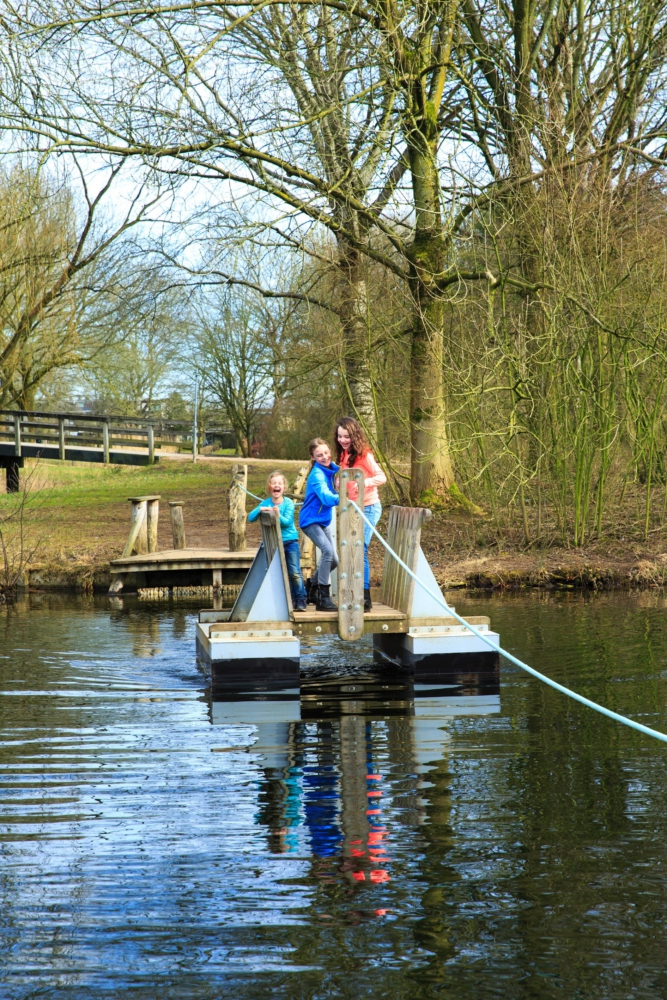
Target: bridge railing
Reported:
[(29, 431)]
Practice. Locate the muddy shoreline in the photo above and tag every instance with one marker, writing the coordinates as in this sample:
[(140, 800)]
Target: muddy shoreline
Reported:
[(552, 569), (83, 517)]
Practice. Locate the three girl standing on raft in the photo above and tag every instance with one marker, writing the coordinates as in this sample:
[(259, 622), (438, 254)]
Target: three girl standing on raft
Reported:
[(352, 452)]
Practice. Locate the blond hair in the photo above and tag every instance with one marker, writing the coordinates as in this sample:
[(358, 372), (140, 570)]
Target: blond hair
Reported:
[(312, 445), (275, 475)]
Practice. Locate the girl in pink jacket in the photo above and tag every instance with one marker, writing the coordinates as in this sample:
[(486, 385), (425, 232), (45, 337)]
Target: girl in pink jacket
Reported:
[(354, 452)]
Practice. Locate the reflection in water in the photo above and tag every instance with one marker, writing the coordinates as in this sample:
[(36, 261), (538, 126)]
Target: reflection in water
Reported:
[(353, 839), (329, 752)]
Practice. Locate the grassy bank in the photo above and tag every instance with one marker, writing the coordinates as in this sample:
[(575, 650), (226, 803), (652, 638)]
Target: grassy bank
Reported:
[(79, 516), (80, 520)]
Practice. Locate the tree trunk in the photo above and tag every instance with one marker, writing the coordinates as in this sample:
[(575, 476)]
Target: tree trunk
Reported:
[(356, 342), (430, 466)]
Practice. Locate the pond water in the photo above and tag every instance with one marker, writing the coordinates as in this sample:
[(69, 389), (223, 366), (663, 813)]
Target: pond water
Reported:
[(362, 841)]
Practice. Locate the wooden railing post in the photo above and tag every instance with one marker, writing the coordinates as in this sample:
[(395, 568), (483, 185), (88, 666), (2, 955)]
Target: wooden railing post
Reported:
[(236, 505), (61, 439), (17, 436), (105, 440), (151, 445), (138, 539), (143, 509), (351, 554), (151, 523), (177, 526)]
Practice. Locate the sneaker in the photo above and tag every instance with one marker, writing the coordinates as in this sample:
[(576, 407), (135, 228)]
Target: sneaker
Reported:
[(301, 605)]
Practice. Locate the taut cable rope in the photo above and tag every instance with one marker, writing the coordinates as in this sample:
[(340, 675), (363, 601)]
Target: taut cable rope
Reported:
[(297, 503), (509, 656)]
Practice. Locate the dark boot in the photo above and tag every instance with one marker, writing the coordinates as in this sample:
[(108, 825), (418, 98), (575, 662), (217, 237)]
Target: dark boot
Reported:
[(324, 602), (311, 591), (368, 604)]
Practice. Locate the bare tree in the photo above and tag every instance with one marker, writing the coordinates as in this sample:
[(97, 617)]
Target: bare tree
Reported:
[(403, 132), (62, 272), (232, 358)]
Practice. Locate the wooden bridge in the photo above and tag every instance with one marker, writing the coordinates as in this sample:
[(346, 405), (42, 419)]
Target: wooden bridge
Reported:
[(258, 641), (81, 437)]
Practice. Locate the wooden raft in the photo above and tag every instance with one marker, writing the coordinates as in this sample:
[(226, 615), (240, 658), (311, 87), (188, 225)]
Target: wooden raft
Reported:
[(264, 605)]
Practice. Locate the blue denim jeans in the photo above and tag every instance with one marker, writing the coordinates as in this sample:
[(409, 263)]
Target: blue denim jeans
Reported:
[(322, 538), (293, 560), (373, 512)]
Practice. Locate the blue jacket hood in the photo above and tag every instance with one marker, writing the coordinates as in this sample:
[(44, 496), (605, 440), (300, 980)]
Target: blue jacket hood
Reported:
[(320, 496)]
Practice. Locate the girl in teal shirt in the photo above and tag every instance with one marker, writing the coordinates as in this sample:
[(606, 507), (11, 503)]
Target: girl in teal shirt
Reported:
[(276, 485)]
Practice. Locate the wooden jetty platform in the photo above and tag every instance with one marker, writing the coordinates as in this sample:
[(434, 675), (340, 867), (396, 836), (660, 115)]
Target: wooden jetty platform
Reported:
[(258, 641), (143, 565)]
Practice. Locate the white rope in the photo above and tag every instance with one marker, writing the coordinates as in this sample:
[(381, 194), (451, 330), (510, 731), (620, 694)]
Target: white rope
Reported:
[(253, 495), (297, 503), (513, 659)]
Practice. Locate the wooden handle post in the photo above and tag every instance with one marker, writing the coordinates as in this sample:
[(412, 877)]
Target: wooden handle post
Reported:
[(351, 554), (237, 514)]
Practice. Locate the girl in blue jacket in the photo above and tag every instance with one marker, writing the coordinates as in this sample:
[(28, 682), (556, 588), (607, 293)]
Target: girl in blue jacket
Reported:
[(315, 518)]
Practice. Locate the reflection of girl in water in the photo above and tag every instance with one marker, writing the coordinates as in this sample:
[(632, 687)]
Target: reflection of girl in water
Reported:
[(322, 809)]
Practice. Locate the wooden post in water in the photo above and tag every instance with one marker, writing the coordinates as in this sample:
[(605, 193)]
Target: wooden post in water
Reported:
[(236, 504), (177, 526), (351, 554), (403, 536)]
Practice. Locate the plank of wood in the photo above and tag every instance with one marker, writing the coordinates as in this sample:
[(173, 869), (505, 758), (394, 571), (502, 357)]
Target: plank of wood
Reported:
[(351, 554), (273, 541), (403, 536), (222, 628), (187, 555)]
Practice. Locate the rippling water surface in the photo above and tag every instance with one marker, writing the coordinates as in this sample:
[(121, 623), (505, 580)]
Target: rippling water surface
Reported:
[(358, 840)]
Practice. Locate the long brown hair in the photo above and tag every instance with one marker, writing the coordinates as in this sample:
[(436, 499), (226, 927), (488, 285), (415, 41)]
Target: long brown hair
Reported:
[(315, 443), (359, 444)]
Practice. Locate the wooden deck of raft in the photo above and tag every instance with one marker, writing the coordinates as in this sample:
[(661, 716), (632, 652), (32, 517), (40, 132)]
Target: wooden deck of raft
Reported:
[(264, 606)]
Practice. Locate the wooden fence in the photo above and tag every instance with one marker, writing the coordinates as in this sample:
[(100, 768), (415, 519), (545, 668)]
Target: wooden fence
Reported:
[(28, 433)]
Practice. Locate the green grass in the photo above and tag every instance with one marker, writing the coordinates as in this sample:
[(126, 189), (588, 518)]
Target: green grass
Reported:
[(80, 512)]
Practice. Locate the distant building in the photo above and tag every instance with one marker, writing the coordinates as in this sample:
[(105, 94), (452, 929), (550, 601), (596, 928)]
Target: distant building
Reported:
[(220, 437)]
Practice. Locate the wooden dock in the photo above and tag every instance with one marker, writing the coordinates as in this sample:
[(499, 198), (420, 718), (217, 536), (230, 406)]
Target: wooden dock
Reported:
[(182, 568), (142, 566)]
